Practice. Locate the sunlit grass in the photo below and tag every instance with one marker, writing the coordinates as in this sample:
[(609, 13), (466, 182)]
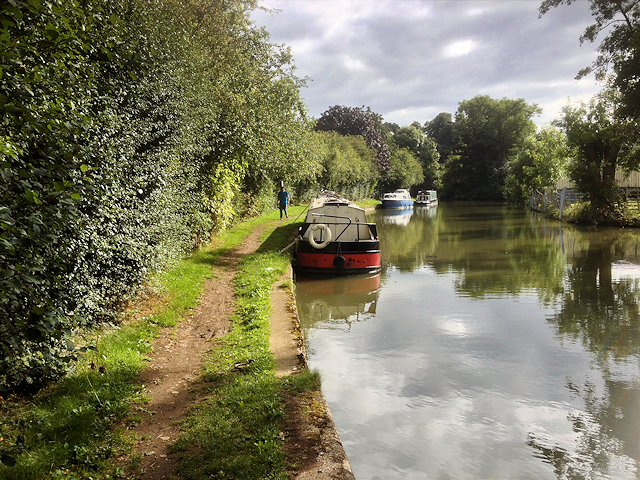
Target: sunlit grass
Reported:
[(368, 202), (236, 430), (68, 429), (75, 428)]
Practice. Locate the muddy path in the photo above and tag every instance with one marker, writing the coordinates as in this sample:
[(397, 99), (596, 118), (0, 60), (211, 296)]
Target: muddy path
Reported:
[(312, 444)]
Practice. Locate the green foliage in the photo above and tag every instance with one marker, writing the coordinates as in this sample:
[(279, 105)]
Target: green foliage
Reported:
[(410, 138), (70, 427), (392, 127), (346, 166), (487, 133), (440, 129), (58, 61), (540, 163), (359, 122), (406, 170), (131, 130), (603, 144), (618, 52), (425, 151)]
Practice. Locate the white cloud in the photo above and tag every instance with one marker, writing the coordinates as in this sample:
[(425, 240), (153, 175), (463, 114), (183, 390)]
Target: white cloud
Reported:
[(459, 48), (353, 63), (407, 60)]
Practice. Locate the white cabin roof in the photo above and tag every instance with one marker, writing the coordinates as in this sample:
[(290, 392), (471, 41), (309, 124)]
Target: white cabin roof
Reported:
[(334, 205)]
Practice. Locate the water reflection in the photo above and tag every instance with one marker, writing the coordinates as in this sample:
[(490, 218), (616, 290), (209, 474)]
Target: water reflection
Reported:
[(499, 345), (336, 302), (397, 216), (426, 211)]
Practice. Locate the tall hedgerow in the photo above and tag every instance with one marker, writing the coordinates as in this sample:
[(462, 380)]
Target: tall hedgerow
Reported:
[(130, 130)]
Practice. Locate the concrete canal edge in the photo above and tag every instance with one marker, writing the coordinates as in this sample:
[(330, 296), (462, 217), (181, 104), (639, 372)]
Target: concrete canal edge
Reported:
[(312, 442)]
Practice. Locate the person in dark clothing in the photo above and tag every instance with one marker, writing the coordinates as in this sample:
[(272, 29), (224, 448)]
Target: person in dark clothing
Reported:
[(283, 202)]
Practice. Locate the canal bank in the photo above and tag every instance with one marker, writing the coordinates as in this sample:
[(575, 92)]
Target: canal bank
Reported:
[(253, 395), (186, 385), (312, 443)]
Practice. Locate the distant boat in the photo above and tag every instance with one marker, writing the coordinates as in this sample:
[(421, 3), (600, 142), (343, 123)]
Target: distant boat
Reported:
[(401, 198), (426, 198), (336, 239)]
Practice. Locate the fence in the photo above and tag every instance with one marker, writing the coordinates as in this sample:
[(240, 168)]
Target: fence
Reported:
[(562, 194), (542, 200)]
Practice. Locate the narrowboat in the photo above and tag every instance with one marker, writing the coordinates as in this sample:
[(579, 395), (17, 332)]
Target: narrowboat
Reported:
[(426, 198), (401, 198), (336, 239)]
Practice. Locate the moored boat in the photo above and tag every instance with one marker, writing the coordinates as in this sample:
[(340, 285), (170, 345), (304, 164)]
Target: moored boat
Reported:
[(401, 198), (426, 198), (336, 239)]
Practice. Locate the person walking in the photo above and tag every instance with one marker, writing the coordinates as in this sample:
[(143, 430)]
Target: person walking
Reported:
[(283, 201)]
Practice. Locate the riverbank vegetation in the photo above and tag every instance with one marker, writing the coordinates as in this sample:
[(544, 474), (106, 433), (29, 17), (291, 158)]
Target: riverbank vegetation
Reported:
[(132, 130), (77, 427)]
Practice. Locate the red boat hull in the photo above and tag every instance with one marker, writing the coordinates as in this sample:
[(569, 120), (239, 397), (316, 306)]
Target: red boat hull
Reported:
[(338, 263)]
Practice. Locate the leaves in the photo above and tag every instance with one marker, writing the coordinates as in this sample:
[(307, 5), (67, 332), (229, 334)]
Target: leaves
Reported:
[(486, 135), (619, 50), (131, 130), (357, 121)]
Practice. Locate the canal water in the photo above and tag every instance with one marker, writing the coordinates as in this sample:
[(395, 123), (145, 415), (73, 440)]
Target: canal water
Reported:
[(494, 344)]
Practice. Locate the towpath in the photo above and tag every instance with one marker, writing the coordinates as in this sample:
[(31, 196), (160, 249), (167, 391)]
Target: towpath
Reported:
[(312, 443)]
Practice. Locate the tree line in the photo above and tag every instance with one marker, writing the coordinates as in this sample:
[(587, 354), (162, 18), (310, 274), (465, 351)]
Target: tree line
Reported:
[(133, 129), (491, 150)]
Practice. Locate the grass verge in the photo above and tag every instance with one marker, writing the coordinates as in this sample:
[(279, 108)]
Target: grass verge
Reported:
[(71, 429), (235, 430)]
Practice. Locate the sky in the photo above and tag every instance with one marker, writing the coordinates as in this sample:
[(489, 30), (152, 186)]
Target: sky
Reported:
[(409, 60)]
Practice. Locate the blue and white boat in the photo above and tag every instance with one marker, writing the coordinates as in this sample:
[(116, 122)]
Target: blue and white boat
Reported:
[(401, 198)]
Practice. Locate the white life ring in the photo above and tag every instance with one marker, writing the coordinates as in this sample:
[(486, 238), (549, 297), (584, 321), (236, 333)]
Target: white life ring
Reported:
[(327, 235)]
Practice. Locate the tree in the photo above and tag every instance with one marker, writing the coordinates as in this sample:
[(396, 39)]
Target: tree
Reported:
[(357, 121), (409, 137), (59, 61), (539, 164), (619, 51), (392, 127), (603, 144), (406, 170), (440, 129), (487, 133), (424, 149), (346, 165), (131, 130)]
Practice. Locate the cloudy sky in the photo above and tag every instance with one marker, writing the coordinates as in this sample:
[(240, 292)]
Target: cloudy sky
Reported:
[(411, 59)]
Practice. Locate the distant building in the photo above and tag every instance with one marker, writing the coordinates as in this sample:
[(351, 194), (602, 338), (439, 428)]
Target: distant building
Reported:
[(632, 182)]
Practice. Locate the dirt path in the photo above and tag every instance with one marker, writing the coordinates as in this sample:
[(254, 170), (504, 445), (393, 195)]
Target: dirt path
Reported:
[(312, 443), (177, 358)]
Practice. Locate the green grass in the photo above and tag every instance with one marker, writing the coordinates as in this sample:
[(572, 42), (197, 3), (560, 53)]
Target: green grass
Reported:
[(369, 202), (235, 431), (68, 430), (75, 428)]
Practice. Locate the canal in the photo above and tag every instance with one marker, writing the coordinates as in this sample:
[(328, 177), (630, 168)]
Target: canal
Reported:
[(494, 344)]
